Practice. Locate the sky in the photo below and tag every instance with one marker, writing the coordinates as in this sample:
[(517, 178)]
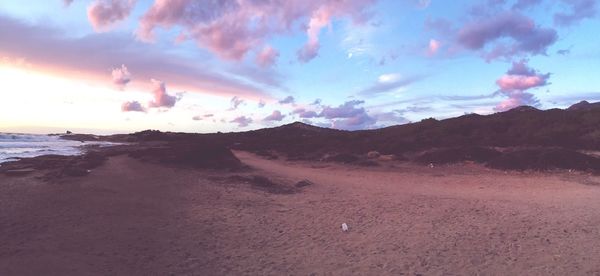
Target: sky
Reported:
[(118, 66)]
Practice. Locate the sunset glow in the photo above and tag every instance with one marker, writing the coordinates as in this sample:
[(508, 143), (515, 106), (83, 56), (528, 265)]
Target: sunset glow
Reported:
[(95, 65)]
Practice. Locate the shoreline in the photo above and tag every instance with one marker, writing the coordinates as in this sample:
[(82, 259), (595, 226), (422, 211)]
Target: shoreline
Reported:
[(25, 146)]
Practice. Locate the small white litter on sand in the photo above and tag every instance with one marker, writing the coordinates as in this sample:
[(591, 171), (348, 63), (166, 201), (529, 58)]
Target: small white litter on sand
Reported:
[(344, 227)]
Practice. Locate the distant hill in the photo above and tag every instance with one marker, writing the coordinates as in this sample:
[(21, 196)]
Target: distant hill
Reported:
[(584, 105), (573, 128), (521, 138)]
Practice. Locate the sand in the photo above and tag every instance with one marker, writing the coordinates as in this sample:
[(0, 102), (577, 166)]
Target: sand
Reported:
[(133, 218)]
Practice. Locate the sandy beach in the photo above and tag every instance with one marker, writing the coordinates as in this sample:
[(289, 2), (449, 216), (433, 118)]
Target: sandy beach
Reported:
[(136, 218)]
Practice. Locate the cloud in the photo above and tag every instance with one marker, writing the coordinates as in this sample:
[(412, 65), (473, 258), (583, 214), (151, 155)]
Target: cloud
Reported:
[(351, 116), (346, 110), (521, 77), (563, 52), (275, 116), (242, 121), (387, 83), (67, 2), (527, 37), (423, 4), (434, 47), (261, 103), (264, 76), (103, 14), (516, 99), (267, 56), (161, 98), (287, 100), (519, 82), (524, 4), (231, 28), (121, 76), (514, 84), (392, 117), (64, 53), (132, 106), (360, 121), (202, 117), (303, 113), (580, 9), (235, 102), (441, 26)]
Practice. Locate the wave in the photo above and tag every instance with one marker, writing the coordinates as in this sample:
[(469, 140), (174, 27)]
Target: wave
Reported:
[(18, 145), (12, 137)]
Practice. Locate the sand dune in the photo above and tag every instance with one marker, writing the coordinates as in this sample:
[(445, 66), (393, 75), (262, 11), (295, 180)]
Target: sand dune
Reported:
[(134, 218)]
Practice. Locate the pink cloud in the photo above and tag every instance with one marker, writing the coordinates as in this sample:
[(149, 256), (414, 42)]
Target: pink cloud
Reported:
[(103, 14), (308, 52), (121, 76), (132, 106), (267, 57), (63, 55), (516, 99), (526, 36), (515, 83), (518, 82), (521, 77), (231, 28), (275, 116), (320, 19), (161, 98), (242, 121), (434, 47)]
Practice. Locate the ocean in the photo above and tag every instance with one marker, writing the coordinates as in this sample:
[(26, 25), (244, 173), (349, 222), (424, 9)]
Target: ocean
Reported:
[(19, 145)]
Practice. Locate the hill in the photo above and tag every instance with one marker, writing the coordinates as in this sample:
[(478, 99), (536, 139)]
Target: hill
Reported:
[(521, 138), (525, 136)]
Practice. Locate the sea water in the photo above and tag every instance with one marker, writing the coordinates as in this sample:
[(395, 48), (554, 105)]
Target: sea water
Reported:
[(19, 145)]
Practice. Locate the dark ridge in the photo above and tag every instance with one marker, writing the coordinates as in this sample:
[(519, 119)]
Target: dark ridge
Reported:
[(584, 105), (522, 133)]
